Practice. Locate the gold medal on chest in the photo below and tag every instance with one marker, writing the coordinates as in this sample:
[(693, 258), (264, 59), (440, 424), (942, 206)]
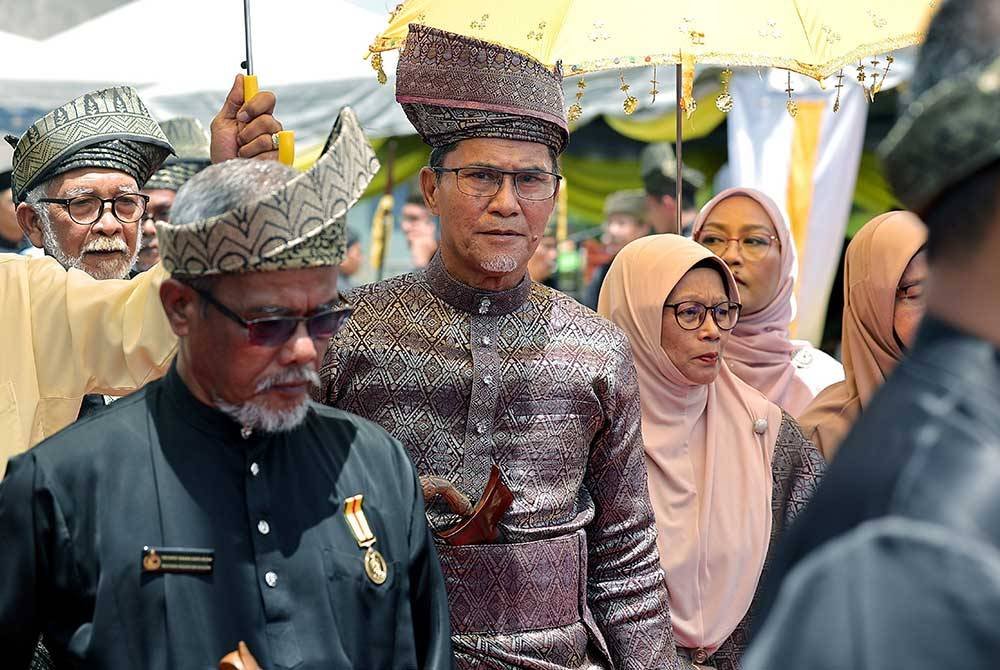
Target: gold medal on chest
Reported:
[(376, 568)]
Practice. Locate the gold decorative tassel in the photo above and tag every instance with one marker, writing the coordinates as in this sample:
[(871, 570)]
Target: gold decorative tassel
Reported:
[(840, 87), (575, 110), (876, 88), (724, 103), (631, 102), (791, 105), (377, 66)]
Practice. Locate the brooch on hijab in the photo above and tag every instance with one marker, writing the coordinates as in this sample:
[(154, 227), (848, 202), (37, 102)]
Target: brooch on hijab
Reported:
[(375, 565), (760, 426)]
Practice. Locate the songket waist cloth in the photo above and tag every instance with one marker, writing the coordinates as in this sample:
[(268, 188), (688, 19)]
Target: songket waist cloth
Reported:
[(516, 588)]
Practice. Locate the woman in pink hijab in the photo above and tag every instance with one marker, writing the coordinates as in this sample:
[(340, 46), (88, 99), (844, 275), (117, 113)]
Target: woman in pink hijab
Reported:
[(744, 228), (728, 469), (884, 273)]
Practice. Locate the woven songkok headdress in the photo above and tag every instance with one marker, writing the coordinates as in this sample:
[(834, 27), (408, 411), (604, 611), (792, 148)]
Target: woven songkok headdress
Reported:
[(109, 128), (300, 225), (192, 153)]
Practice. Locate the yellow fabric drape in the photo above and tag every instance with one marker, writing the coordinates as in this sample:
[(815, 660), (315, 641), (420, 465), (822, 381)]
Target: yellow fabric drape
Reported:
[(805, 149)]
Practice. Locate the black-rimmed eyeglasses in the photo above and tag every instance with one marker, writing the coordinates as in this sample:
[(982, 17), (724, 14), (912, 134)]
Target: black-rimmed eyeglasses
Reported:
[(482, 182), (691, 314), (87, 210), (274, 331)]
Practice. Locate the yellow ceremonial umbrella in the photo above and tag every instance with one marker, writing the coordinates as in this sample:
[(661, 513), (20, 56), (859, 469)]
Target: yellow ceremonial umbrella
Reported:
[(817, 38)]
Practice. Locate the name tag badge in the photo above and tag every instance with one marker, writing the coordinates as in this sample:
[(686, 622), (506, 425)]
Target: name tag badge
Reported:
[(182, 560)]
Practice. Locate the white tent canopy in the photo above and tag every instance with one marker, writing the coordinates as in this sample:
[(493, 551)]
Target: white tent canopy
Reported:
[(182, 56)]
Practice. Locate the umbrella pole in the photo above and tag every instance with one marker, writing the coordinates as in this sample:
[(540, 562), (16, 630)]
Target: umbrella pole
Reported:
[(680, 150)]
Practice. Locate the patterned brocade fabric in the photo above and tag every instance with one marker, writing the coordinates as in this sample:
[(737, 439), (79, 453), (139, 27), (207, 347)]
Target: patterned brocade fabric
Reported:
[(797, 469), (532, 381)]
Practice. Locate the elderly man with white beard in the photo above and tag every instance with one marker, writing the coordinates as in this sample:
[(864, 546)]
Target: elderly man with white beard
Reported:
[(79, 169)]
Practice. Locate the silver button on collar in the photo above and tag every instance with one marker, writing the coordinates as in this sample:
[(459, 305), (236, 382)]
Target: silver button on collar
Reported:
[(264, 527), (271, 578), (254, 469)]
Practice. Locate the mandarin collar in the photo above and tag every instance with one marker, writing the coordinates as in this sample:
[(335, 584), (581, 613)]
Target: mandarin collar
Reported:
[(473, 300), (204, 418)]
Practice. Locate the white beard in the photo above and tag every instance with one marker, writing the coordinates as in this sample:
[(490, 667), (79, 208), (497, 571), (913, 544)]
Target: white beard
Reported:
[(52, 248), (499, 264), (255, 416)]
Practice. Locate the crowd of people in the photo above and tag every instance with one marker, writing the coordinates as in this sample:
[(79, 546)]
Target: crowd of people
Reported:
[(220, 451)]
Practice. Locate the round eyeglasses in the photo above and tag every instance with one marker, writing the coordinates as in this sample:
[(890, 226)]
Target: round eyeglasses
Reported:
[(691, 315), (482, 182), (86, 210), (752, 247)]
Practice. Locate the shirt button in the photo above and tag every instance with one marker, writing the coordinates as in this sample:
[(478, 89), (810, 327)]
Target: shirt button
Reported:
[(480, 429), (271, 578), (484, 306), (254, 469), (486, 340), (264, 527), (699, 656), (488, 379)]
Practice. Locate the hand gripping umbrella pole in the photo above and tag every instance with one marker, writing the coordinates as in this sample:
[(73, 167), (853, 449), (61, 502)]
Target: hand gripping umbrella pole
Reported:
[(286, 138)]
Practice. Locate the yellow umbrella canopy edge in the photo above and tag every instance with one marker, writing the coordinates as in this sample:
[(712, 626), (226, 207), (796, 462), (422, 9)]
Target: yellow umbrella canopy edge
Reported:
[(815, 38)]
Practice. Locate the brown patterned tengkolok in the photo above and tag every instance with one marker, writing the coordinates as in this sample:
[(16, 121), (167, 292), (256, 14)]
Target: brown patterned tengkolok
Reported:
[(109, 128), (300, 225), (454, 87)]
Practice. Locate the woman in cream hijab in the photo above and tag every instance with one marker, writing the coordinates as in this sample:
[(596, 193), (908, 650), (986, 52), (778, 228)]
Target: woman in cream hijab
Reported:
[(727, 468), (744, 228), (884, 273)]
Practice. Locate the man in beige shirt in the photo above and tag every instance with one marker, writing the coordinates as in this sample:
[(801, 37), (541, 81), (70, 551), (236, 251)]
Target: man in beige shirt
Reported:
[(65, 333)]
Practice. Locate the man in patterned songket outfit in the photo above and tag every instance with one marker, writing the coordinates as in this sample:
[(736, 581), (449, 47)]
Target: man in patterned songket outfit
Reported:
[(517, 405), (191, 156)]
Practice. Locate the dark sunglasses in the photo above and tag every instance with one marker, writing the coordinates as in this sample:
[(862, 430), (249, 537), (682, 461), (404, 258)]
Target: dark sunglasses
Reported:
[(274, 331)]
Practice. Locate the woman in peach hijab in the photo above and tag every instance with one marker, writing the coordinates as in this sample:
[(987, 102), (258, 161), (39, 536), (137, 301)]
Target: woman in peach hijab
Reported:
[(884, 272), (728, 469), (745, 229)]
